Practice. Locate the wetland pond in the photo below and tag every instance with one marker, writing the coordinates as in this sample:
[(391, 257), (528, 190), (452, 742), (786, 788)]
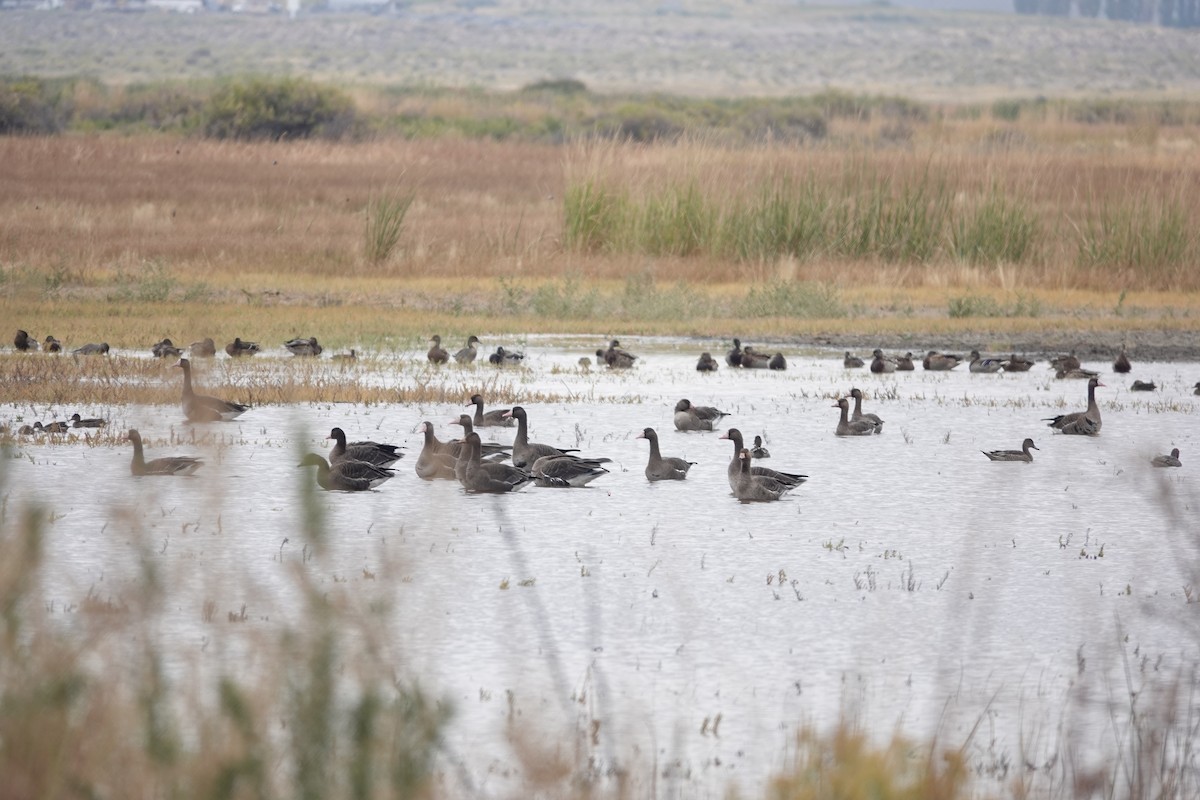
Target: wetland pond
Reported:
[(668, 630)]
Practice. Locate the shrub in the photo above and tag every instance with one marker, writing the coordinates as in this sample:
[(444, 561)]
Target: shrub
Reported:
[(288, 108), (32, 106)]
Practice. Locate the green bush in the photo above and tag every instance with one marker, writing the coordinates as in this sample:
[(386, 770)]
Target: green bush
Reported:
[(268, 108), (33, 106)]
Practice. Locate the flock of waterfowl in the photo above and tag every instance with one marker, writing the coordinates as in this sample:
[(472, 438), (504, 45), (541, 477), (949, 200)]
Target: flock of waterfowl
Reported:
[(479, 466)]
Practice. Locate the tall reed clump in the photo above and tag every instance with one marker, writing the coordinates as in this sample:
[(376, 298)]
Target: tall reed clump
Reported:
[(88, 703), (592, 217), (1142, 234), (384, 224), (999, 230)]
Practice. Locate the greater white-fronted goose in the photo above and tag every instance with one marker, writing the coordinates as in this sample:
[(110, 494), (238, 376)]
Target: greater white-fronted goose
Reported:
[(852, 362), (1015, 363), (504, 358), (202, 408), (734, 435), (849, 427), (165, 349), (239, 349), (663, 468), (881, 365), (346, 476), (381, 455), (351, 356), (752, 359), (1013, 455), (566, 471), (92, 349), (436, 353), (434, 462), (734, 357), (303, 347), (477, 475), (92, 422), (751, 488), (496, 418), (1076, 374), (858, 412), (488, 450), (1171, 460), (167, 465), (777, 362), (524, 452), (52, 345), (468, 354), (706, 363), (940, 362), (24, 342), (205, 348), (1086, 422), (905, 363), (696, 418), (1143, 386), (982, 364), (1065, 363), (758, 451), (1121, 363), (615, 357)]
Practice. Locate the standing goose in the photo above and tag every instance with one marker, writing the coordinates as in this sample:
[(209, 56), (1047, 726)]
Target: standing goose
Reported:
[(477, 475), (1016, 363), (734, 357), (205, 348), (1121, 363), (1013, 455), (696, 418), (434, 463), (165, 349), (904, 363), (881, 365), (849, 427), (852, 362), (706, 363), (566, 471), (858, 412), (659, 468), (940, 362), (379, 455), (168, 465), (751, 488), (346, 476), (202, 408), (24, 342), (981, 364), (467, 354), (1168, 461), (734, 435), (758, 451), (239, 349), (437, 354), (524, 452), (1086, 422), (94, 422), (303, 347), (496, 418)]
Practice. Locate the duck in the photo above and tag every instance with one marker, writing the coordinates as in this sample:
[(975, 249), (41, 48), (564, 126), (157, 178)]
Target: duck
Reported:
[(479, 476), (468, 354), (239, 349), (858, 412), (1065, 363), (758, 451), (434, 462), (881, 365), (205, 348), (1076, 374), (94, 422), (777, 362), (751, 488), (496, 418), (52, 345), (734, 357), (203, 408), (53, 427), (504, 357), (1013, 455), (696, 418), (904, 363), (1015, 363), (980, 364), (1143, 386), (27, 430), (303, 347), (849, 427), (566, 471), (615, 357), (663, 468), (752, 359), (1171, 460), (940, 362), (524, 452), (167, 465), (1121, 363), (351, 356), (91, 349), (24, 342), (706, 363), (436, 353), (1196, 388), (165, 349), (1086, 422), (346, 476), (852, 362), (734, 435), (380, 455)]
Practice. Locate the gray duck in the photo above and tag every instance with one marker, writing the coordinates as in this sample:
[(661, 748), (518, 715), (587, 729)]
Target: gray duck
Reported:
[(1013, 455), (1171, 460)]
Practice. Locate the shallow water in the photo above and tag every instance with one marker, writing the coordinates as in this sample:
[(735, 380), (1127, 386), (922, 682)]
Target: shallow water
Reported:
[(910, 584)]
